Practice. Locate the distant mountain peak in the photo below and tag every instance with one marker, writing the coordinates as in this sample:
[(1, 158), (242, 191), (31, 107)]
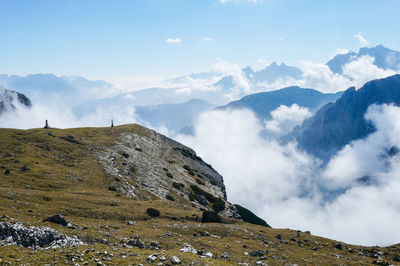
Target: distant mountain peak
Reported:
[(335, 125), (385, 58)]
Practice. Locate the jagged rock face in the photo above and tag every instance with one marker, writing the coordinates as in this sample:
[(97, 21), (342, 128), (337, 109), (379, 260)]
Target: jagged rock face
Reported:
[(335, 125), (8, 99), (160, 166), (34, 237)]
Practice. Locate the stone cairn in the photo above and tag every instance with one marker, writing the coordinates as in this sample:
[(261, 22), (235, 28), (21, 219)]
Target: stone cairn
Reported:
[(46, 126)]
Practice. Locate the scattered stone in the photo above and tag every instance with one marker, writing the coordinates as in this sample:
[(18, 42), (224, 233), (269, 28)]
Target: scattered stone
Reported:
[(34, 237), (175, 260), (131, 222), (396, 258), (155, 245), (338, 246), (168, 234), (208, 255), (137, 243), (279, 237), (25, 168), (7, 171), (163, 258), (259, 253), (152, 257), (205, 233), (186, 248), (58, 219), (224, 255)]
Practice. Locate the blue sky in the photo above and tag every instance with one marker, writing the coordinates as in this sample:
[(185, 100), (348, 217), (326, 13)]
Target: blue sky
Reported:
[(115, 39)]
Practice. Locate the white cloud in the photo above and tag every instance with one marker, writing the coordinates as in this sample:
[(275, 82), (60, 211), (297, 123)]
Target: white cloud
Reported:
[(288, 188), (285, 118), (363, 70), (320, 77), (361, 38), (342, 51), (242, 84), (207, 39), (174, 40), (60, 116)]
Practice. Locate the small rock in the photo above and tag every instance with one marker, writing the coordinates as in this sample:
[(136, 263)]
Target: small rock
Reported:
[(175, 260), (396, 258), (224, 255), (279, 237), (208, 254), (152, 257), (131, 222), (259, 253), (205, 233), (154, 245), (25, 168), (186, 248), (58, 219), (338, 246)]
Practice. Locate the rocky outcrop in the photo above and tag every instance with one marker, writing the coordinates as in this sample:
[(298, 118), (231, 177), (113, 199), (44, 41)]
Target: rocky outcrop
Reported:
[(167, 169), (34, 237), (336, 124), (8, 100)]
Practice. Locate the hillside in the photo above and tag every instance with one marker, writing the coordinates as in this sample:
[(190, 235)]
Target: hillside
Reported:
[(336, 124), (104, 180)]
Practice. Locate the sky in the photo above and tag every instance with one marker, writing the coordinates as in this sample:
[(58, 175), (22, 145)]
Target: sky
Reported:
[(121, 39)]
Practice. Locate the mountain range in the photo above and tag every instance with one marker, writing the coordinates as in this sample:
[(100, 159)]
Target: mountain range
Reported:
[(173, 116), (384, 58), (336, 124), (264, 102)]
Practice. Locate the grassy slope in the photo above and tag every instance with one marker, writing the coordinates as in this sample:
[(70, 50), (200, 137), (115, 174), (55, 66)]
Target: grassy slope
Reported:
[(30, 196)]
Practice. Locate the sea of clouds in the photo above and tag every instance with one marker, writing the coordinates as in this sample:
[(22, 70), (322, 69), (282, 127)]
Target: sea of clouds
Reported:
[(282, 184), (290, 189)]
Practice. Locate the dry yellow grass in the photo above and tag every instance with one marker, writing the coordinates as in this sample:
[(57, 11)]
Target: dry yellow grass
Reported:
[(64, 177)]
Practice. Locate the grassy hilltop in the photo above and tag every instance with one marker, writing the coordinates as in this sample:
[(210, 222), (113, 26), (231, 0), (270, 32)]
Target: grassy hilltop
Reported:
[(101, 178)]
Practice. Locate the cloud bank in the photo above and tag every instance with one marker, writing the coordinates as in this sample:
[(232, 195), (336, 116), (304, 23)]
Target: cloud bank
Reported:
[(353, 199), (60, 116)]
